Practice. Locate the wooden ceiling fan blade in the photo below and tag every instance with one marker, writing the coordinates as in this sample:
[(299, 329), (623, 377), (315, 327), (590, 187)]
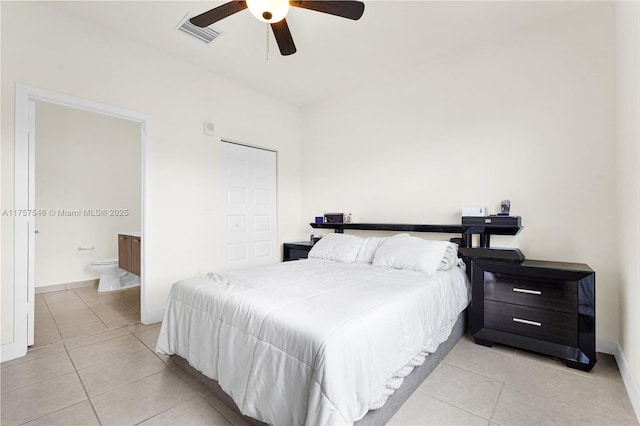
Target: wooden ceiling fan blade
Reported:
[(343, 8), (284, 38), (217, 13)]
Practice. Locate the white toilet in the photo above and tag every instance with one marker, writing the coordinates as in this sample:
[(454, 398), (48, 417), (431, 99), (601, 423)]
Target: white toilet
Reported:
[(113, 278)]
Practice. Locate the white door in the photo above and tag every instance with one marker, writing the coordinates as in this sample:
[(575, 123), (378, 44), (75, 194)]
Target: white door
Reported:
[(249, 210)]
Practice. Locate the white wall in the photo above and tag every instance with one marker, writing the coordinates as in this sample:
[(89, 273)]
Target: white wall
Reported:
[(528, 117), (628, 262), (44, 48), (85, 162)]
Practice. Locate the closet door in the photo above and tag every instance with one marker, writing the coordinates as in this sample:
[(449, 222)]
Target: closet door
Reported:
[(249, 206)]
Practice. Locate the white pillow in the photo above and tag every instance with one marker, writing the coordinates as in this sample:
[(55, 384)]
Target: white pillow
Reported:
[(338, 247), (412, 253), (369, 247), (450, 258)]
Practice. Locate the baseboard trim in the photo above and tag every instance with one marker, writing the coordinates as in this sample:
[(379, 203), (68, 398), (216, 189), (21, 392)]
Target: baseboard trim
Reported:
[(633, 389), (66, 286), (607, 347)]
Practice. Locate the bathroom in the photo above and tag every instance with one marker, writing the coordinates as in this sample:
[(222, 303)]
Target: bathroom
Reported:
[(88, 174)]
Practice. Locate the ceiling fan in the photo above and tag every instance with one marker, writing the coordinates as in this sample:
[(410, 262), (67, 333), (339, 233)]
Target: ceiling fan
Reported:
[(274, 11)]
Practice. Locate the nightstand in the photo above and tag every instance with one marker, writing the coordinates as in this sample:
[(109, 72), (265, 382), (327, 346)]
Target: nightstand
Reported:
[(296, 251), (540, 306)]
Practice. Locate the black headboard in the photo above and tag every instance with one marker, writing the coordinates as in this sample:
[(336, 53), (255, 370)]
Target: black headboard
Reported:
[(466, 231)]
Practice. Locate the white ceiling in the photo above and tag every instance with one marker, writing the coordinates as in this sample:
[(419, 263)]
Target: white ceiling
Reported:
[(334, 54)]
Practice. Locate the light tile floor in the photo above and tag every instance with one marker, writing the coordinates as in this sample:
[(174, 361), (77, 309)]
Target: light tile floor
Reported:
[(72, 313), (110, 375)]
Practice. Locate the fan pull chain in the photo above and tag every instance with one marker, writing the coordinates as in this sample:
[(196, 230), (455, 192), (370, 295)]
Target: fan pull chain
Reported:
[(267, 41)]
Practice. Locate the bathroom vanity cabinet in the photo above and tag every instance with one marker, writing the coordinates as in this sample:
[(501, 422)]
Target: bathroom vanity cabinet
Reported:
[(129, 253)]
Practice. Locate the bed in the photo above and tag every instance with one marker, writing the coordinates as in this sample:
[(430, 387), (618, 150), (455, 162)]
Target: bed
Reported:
[(340, 338)]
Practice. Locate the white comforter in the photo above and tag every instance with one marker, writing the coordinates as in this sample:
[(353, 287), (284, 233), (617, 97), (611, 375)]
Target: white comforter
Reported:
[(310, 342)]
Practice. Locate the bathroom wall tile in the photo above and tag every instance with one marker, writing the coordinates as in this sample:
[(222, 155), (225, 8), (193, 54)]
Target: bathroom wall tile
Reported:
[(119, 371), (95, 338), (35, 371), (82, 329), (86, 356), (78, 414), (192, 412), (41, 399), (141, 400)]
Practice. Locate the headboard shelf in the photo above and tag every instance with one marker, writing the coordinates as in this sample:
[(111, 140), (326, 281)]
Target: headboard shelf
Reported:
[(466, 231), (398, 227)]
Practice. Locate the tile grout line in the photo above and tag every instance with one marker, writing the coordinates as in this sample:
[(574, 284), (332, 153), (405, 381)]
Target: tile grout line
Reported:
[(66, 350), (450, 404), (53, 318), (94, 365), (37, 382), (170, 408), (495, 405), (198, 393), (84, 389), (102, 320), (89, 307)]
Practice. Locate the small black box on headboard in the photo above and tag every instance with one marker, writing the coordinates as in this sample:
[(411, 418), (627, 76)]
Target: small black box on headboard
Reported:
[(493, 220), (334, 217)]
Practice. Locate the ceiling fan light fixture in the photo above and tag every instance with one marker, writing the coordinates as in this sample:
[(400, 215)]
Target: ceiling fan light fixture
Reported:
[(270, 11)]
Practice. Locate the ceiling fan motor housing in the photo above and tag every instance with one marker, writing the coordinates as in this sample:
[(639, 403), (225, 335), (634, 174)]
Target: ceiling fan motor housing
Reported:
[(269, 11)]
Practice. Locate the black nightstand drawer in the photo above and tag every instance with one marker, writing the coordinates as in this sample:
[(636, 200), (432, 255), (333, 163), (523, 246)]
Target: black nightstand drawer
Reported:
[(537, 305), (540, 293), (556, 327), (296, 251), (295, 254)]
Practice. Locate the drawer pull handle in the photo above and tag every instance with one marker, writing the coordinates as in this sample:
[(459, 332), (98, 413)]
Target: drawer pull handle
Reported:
[(524, 290), (524, 321)]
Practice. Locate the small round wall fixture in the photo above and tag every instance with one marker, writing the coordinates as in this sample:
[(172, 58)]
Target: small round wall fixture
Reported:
[(209, 128)]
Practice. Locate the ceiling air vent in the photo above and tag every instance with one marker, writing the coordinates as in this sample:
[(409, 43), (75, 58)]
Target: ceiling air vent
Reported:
[(207, 34)]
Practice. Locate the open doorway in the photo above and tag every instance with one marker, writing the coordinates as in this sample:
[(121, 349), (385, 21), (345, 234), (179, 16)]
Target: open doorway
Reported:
[(24, 225), (88, 197)]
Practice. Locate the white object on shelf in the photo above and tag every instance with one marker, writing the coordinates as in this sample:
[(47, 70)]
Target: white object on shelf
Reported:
[(475, 211)]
